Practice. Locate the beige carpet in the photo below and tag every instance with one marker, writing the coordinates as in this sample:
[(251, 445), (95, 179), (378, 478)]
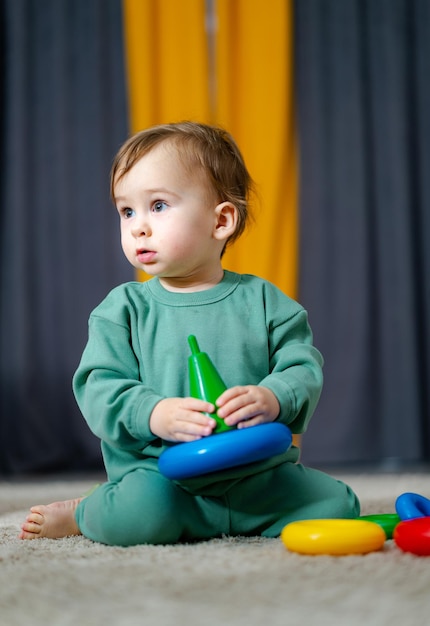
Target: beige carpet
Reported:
[(238, 582)]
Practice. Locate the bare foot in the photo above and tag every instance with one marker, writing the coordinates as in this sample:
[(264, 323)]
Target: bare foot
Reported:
[(51, 520)]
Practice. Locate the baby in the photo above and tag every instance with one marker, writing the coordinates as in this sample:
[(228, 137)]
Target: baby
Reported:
[(182, 193)]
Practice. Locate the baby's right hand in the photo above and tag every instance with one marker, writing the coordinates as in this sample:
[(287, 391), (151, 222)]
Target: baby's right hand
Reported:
[(182, 419)]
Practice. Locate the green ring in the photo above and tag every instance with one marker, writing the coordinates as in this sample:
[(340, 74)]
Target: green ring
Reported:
[(387, 521)]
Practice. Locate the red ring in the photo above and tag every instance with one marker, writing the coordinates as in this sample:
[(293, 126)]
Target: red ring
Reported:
[(414, 536)]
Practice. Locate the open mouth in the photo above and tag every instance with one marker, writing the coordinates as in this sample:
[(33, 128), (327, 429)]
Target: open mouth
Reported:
[(145, 256)]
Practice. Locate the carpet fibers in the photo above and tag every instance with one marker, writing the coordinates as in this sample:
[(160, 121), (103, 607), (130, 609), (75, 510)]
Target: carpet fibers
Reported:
[(227, 581)]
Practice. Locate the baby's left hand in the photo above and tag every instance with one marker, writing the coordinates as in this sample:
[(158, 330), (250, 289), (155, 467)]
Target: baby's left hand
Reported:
[(248, 406)]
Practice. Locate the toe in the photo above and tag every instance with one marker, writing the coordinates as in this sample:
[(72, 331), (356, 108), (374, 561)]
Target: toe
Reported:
[(35, 518), (29, 527), (26, 534)]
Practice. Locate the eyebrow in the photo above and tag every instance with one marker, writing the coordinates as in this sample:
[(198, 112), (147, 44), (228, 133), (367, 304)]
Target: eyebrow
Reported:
[(154, 191)]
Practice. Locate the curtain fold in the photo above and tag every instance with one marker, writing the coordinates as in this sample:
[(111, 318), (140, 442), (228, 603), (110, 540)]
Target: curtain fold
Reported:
[(362, 83), (64, 115)]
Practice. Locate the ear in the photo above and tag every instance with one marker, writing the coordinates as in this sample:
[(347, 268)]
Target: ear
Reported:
[(226, 221)]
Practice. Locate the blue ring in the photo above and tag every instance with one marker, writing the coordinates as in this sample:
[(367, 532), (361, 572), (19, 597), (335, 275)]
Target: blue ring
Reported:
[(224, 450), (412, 505)]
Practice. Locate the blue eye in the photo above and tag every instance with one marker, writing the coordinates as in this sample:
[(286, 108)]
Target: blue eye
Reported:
[(159, 206), (127, 213)]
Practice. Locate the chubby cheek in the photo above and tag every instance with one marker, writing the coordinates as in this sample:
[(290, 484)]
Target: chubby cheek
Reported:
[(127, 246), (184, 238), (180, 249)]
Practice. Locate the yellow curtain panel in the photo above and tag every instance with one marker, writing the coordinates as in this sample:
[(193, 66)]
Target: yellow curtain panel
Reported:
[(167, 61), (227, 62)]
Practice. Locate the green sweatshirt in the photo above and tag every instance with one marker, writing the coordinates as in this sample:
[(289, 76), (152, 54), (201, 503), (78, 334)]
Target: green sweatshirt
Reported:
[(137, 354)]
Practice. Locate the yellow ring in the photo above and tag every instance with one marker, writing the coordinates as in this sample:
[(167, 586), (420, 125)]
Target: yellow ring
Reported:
[(333, 536)]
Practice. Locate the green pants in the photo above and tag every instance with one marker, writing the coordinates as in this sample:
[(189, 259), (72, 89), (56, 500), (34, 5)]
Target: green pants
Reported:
[(147, 508)]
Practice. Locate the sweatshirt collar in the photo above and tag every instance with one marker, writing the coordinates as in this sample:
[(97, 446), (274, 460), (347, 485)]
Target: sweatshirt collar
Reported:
[(174, 298)]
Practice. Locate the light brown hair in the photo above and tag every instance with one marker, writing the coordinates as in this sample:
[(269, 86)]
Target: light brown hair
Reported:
[(209, 147)]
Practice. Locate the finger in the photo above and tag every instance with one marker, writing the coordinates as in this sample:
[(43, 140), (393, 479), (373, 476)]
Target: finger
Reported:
[(197, 428), (195, 404), (245, 413), (198, 420), (185, 437), (254, 421), (229, 394), (237, 403)]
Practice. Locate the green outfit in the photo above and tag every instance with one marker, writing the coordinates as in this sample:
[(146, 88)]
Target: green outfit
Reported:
[(137, 354)]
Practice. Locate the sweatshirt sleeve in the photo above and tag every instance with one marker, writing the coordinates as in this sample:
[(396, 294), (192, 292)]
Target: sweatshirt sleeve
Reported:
[(115, 403), (295, 364)]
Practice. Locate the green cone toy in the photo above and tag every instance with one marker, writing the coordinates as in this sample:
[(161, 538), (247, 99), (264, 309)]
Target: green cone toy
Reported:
[(205, 381)]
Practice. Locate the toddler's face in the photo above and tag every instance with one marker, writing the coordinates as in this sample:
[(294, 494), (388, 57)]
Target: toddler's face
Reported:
[(168, 218)]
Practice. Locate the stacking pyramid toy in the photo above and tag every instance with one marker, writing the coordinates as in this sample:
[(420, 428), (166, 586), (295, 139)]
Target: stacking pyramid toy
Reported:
[(226, 449)]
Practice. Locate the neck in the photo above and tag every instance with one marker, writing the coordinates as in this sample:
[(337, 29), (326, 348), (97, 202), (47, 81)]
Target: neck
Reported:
[(190, 284)]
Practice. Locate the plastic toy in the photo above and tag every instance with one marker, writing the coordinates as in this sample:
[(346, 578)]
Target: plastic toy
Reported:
[(412, 505), (387, 521), (335, 537), (413, 535), (221, 450), (218, 452), (205, 381)]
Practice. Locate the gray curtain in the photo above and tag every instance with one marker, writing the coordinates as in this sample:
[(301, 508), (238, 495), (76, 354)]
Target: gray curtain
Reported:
[(63, 116), (362, 72)]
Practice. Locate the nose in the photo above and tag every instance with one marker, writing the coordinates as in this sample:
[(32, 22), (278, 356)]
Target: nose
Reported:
[(140, 227)]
